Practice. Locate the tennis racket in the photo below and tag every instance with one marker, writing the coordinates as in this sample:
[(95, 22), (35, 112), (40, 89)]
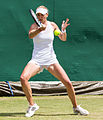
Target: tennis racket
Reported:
[(35, 18)]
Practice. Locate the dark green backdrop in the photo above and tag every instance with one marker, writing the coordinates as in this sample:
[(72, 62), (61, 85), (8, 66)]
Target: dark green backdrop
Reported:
[(81, 56)]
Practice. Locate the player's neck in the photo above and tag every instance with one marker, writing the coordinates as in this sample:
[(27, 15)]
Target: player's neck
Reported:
[(44, 22)]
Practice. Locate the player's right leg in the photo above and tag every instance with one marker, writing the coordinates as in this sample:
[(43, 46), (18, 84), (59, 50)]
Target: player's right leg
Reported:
[(29, 71)]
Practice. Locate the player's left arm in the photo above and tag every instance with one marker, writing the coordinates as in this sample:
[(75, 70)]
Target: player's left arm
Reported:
[(63, 34), (64, 25)]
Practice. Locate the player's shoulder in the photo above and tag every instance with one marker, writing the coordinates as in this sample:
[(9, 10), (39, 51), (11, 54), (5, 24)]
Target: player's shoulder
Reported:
[(34, 25), (53, 24)]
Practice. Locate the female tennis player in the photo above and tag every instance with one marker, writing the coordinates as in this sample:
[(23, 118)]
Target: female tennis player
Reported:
[(44, 57)]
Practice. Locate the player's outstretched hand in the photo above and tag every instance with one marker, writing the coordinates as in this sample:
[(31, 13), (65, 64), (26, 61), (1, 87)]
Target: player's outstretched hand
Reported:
[(65, 24)]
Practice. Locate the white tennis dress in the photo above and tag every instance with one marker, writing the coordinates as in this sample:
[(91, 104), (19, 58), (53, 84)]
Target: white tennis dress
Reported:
[(43, 52)]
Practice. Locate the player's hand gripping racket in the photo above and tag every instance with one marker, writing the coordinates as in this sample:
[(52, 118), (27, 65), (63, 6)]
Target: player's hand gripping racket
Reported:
[(35, 18)]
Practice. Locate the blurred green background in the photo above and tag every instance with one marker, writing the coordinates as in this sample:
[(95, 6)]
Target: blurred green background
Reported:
[(81, 55)]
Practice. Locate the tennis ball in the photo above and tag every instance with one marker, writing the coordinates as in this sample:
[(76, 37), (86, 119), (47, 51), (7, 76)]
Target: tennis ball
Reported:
[(56, 32)]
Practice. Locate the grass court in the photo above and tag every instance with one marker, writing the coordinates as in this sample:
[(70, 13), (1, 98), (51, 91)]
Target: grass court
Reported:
[(51, 108)]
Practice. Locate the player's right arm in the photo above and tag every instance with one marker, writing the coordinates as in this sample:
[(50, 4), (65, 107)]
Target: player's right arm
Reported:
[(35, 30)]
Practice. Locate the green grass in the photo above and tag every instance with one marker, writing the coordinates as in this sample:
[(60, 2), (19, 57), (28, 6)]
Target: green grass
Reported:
[(51, 108)]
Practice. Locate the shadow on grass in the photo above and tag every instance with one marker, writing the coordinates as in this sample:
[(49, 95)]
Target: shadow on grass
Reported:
[(22, 114), (65, 114), (12, 114)]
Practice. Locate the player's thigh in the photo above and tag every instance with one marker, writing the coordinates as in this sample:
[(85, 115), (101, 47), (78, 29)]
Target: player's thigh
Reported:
[(57, 71), (30, 70)]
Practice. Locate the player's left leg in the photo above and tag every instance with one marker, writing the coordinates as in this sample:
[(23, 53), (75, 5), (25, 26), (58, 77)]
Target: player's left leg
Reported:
[(57, 71)]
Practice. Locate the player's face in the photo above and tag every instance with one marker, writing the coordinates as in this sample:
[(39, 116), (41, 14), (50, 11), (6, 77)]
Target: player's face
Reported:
[(42, 18)]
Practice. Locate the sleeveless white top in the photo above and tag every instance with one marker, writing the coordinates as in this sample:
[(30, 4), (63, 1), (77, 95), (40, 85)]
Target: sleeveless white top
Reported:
[(43, 52)]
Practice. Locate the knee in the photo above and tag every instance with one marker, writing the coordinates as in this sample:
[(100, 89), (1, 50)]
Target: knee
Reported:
[(23, 79), (68, 84)]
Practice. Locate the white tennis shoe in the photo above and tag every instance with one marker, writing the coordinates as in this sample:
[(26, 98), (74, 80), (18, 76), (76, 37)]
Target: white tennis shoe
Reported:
[(31, 110), (80, 110)]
